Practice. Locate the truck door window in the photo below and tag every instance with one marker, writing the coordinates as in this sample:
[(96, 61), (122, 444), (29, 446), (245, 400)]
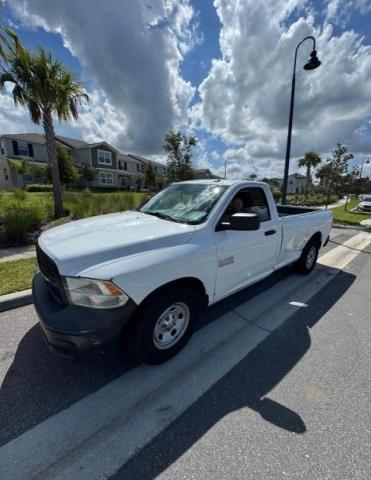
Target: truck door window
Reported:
[(259, 204), (248, 200)]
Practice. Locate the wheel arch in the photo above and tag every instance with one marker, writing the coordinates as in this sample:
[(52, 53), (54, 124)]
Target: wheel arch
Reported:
[(190, 282), (317, 238)]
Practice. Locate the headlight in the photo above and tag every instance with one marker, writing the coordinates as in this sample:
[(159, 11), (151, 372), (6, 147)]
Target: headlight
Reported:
[(94, 293)]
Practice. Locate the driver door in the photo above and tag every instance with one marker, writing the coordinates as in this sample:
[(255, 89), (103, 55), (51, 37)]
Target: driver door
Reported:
[(244, 256)]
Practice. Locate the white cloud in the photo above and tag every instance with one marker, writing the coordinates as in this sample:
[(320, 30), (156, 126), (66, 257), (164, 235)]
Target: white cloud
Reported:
[(132, 51), (340, 11), (13, 120), (245, 97)]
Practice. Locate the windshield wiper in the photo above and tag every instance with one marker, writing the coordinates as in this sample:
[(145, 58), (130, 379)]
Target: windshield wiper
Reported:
[(163, 216)]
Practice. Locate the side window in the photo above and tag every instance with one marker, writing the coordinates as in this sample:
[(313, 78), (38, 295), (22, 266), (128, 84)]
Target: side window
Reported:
[(248, 200), (259, 204)]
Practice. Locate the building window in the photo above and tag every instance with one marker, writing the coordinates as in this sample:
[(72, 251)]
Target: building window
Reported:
[(123, 165), (105, 178), (104, 157), (22, 149)]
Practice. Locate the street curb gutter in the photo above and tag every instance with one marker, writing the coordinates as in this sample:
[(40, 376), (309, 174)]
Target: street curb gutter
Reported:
[(15, 300)]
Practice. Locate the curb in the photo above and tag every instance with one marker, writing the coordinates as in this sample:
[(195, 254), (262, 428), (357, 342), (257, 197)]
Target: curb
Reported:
[(361, 228), (15, 300)]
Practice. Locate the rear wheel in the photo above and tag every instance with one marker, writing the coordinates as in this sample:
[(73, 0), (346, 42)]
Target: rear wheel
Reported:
[(165, 324), (308, 258)]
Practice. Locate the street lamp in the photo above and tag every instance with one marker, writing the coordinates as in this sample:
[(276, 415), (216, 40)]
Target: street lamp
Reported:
[(311, 64)]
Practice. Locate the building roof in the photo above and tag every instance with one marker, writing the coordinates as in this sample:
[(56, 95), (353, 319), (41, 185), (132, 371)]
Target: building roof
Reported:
[(201, 171), (72, 142), (26, 137), (39, 138), (146, 160), (297, 175)]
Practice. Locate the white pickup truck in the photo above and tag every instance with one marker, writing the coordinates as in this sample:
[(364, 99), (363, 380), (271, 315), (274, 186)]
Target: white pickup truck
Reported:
[(147, 273)]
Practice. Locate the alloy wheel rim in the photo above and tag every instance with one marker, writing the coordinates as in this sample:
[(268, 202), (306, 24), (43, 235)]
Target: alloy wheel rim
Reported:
[(310, 257), (171, 326)]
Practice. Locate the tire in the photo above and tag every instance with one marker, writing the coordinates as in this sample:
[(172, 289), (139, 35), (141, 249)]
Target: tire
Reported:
[(308, 258), (165, 323)]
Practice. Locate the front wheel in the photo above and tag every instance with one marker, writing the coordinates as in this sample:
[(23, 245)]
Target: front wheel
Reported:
[(165, 324), (308, 258)]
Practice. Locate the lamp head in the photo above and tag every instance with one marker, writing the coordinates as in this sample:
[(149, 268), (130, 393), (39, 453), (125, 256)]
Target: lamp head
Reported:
[(313, 61)]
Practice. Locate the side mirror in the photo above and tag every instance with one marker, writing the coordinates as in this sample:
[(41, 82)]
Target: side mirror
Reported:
[(241, 221)]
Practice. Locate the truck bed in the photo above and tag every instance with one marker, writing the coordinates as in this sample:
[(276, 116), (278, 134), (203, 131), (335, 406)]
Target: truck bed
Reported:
[(288, 210)]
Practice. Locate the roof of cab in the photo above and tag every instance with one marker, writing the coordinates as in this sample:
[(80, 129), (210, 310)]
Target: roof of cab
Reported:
[(223, 181)]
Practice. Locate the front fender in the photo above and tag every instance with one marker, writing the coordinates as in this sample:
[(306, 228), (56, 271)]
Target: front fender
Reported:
[(140, 275)]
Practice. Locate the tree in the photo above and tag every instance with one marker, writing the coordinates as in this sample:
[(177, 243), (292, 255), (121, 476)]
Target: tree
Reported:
[(138, 181), (87, 174), (253, 176), (333, 175), (25, 167), (178, 148), (351, 184), (149, 176), (46, 88), (274, 183), (68, 173), (309, 161), (8, 39)]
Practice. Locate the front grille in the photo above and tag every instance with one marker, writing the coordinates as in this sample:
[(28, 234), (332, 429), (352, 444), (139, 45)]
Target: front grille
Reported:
[(50, 272)]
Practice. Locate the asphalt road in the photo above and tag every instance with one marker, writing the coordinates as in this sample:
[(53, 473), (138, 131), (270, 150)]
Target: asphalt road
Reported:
[(296, 407)]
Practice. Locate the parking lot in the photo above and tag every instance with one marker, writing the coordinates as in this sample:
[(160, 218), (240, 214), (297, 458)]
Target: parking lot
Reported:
[(274, 384)]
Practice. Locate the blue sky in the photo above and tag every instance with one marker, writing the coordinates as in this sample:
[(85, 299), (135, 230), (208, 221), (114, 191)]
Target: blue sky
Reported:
[(233, 95)]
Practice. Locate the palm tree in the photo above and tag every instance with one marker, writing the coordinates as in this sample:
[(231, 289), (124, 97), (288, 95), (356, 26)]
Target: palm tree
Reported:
[(8, 39), (309, 161), (46, 88), (253, 176)]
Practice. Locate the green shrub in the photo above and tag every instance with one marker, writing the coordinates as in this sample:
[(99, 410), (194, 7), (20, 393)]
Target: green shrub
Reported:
[(87, 204), (19, 220), (39, 188), (19, 194)]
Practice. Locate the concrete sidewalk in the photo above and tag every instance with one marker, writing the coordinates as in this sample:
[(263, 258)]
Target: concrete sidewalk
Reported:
[(334, 205), (9, 254)]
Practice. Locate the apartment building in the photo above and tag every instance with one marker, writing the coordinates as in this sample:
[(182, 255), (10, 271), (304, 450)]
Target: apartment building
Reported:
[(112, 169)]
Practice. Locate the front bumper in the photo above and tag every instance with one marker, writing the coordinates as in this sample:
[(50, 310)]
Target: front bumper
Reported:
[(78, 332)]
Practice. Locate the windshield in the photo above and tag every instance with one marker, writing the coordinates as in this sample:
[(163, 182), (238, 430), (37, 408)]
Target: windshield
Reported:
[(367, 199), (184, 202)]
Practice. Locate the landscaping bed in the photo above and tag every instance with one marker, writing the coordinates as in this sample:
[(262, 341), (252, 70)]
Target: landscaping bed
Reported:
[(23, 215)]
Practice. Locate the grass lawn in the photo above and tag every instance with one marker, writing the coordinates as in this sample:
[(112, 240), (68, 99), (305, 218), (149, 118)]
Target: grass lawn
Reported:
[(16, 275), (347, 217)]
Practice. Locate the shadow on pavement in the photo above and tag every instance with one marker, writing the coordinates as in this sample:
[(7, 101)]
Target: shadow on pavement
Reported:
[(246, 385), (39, 385)]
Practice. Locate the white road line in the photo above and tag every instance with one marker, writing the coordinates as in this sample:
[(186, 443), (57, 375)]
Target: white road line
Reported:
[(340, 256), (98, 434)]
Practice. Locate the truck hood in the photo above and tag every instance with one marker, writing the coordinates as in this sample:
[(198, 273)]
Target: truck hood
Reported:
[(79, 245)]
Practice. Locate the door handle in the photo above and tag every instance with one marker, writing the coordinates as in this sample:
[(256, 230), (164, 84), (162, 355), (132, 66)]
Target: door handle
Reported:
[(270, 232)]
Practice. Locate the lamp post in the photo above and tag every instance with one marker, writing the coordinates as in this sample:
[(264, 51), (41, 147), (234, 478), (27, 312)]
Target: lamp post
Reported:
[(311, 64)]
